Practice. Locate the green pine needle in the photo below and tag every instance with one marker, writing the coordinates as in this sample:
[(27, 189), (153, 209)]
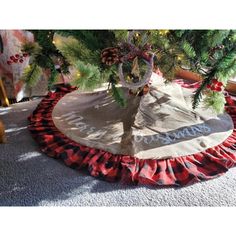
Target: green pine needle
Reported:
[(227, 68), (204, 57), (198, 93), (86, 76), (216, 101), (32, 48), (216, 37), (73, 50), (188, 49), (121, 35), (31, 75), (118, 95), (53, 78)]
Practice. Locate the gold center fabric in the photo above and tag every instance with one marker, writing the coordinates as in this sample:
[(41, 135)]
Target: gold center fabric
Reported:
[(158, 125)]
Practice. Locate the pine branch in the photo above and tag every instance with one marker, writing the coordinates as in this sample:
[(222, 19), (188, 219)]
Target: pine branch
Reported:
[(86, 76), (121, 35), (216, 101), (73, 49), (118, 95), (88, 37), (216, 37), (31, 48), (92, 39), (227, 67), (31, 75), (188, 49), (198, 93), (179, 33), (223, 69), (204, 57), (53, 78), (44, 51)]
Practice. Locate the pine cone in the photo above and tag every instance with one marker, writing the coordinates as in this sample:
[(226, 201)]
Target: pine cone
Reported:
[(110, 56)]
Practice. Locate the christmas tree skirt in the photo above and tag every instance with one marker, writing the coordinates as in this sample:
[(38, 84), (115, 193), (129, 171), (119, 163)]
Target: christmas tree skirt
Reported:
[(157, 139)]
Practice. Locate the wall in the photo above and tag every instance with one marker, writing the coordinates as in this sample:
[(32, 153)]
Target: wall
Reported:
[(12, 41)]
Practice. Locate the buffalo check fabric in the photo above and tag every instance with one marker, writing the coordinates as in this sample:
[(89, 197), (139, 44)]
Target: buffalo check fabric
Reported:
[(180, 171)]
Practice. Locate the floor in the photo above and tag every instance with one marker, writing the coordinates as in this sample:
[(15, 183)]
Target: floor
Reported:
[(30, 178)]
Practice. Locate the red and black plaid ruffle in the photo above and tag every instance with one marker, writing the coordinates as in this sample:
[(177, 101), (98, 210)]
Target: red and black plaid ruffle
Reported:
[(179, 171)]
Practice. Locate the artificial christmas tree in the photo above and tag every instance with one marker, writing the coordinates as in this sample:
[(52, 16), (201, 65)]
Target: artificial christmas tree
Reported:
[(211, 53), (151, 134)]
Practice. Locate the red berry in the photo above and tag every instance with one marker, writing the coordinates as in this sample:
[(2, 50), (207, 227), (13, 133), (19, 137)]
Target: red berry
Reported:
[(9, 62), (12, 58), (25, 54), (145, 56), (214, 81), (15, 60), (21, 60), (208, 86), (218, 89), (17, 56), (213, 88), (219, 84)]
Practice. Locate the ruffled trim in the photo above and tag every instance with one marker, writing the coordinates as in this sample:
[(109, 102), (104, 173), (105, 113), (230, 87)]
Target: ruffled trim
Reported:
[(180, 171)]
